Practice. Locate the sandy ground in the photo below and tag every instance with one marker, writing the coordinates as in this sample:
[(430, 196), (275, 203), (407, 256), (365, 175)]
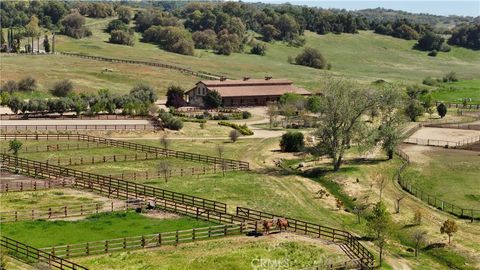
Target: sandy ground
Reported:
[(445, 134), (72, 122)]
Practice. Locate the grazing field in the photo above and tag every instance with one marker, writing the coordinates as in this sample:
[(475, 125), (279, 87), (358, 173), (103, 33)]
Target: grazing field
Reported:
[(284, 251), (88, 76), (365, 56), (47, 198), (94, 228), (457, 91), (451, 175)]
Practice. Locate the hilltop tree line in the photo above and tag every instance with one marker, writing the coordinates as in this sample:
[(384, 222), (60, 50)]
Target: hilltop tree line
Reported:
[(224, 27)]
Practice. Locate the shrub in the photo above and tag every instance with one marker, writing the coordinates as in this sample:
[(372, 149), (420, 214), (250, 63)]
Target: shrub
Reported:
[(450, 77), (314, 104), (259, 49), (27, 84), (116, 25), (74, 25), (10, 86), (122, 37), (442, 110), (212, 99), (5, 98), (414, 109), (429, 81), (292, 142), (311, 57), (246, 114), (234, 135), (170, 121), (242, 128), (433, 53), (205, 39), (62, 88)]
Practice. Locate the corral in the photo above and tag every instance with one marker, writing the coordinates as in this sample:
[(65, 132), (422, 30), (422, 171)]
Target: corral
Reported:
[(113, 200)]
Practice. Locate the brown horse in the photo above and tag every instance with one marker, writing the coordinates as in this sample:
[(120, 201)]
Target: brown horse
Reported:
[(267, 225), (282, 223)]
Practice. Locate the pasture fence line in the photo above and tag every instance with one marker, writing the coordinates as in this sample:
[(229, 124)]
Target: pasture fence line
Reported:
[(459, 105), (65, 211), (106, 184), (32, 185), (160, 173), (227, 163), (54, 147), (365, 257), (29, 116), (111, 127), (443, 143), (203, 75), (457, 125), (32, 255), (148, 241), (432, 200)]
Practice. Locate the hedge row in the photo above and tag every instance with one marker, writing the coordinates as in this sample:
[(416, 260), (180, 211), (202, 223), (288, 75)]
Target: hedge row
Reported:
[(242, 128)]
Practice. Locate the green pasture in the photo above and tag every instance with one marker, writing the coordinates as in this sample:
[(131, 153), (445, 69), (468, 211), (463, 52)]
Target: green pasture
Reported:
[(94, 228), (458, 91), (451, 176), (365, 56), (28, 200), (226, 253)]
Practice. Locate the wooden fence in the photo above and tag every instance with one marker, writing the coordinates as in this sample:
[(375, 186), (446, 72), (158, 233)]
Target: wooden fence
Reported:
[(472, 214), (78, 127), (54, 147), (156, 174), (203, 75), (72, 210), (32, 185), (31, 255), (443, 143), (460, 105), (226, 163), (316, 230), (457, 125), (30, 116), (106, 184), (147, 241)]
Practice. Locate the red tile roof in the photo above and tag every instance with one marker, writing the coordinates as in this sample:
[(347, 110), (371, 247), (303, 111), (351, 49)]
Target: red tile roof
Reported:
[(253, 87)]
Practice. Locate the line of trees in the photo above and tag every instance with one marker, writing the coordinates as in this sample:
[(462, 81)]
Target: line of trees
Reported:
[(138, 102)]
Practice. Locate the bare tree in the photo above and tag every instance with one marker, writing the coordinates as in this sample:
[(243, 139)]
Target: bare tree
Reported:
[(164, 141), (343, 105), (381, 182), (419, 238), (221, 152), (234, 135), (272, 112), (398, 198), (417, 217), (163, 168)]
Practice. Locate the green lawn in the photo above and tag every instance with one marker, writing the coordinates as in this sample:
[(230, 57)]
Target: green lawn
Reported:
[(226, 253), (457, 91), (452, 176), (94, 228)]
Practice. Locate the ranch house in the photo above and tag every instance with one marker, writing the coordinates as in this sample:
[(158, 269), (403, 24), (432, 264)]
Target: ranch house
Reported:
[(246, 92)]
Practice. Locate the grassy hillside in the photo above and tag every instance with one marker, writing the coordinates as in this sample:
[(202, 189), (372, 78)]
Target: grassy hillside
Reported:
[(365, 57)]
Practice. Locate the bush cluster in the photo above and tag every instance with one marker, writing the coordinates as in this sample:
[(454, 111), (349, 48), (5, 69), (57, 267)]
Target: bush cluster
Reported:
[(242, 128), (170, 121), (25, 84), (292, 142)]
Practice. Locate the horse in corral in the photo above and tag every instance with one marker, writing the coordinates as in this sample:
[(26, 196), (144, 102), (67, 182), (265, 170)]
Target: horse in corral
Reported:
[(282, 223), (267, 225)]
